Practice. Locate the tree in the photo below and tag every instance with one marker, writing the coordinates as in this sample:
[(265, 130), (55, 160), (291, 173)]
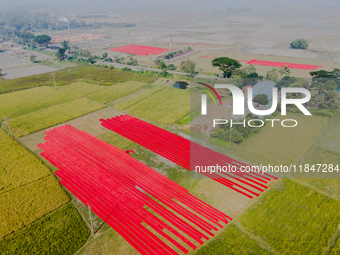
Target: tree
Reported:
[(171, 67), (32, 58), (284, 71), (189, 49), (226, 65), (161, 65), (43, 39), (0, 72), (104, 55), (188, 67), (60, 53), (273, 74), (261, 99), (299, 44), (64, 44)]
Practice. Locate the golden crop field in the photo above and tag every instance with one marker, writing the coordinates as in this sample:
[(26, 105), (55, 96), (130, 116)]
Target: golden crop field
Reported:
[(115, 91), (18, 166), (293, 219), (54, 115), (60, 232), (23, 102), (81, 89), (166, 106), (279, 145), (24, 205)]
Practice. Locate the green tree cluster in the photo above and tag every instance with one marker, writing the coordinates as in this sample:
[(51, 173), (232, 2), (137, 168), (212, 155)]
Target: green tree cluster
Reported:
[(188, 67), (299, 44)]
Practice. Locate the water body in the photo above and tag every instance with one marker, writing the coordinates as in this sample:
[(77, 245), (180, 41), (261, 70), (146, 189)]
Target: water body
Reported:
[(181, 85)]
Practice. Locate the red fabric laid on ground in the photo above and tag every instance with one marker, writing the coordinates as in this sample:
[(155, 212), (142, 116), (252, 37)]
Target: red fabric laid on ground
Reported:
[(282, 64), (276, 64), (126, 193), (188, 154), (140, 50)]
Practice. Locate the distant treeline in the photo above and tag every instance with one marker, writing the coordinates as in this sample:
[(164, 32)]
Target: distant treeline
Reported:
[(13, 22)]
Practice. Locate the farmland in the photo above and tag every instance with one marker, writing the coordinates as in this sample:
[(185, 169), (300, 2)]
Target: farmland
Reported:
[(88, 73), (164, 105), (293, 219), (28, 190), (81, 89), (116, 91), (133, 101), (18, 166), (281, 145), (60, 232), (23, 102), (232, 242), (22, 206), (54, 115)]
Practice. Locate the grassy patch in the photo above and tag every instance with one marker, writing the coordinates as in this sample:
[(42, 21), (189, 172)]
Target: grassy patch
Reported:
[(54, 115), (23, 102), (116, 91), (81, 89), (116, 140), (280, 145), (166, 106), (17, 165), (90, 73), (293, 219), (232, 241), (60, 232), (22, 206)]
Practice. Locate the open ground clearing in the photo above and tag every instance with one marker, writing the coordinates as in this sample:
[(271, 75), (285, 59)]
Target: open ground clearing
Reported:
[(293, 219), (52, 116), (27, 71), (23, 102), (280, 145), (60, 232)]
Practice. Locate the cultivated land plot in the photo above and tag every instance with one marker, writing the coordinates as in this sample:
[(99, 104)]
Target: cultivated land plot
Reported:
[(54, 115), (165, 105), (18, 166), (116, 91), (279, 145), (293, 219), (22, 206), (232, 242), (81, 89), (60, 232), (23, 102)]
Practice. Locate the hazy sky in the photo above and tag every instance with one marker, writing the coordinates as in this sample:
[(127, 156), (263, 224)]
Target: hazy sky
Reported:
[(145, 6)]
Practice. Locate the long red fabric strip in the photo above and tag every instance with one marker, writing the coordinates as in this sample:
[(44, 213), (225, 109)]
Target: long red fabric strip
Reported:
[(131, 197), (188, 154)]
